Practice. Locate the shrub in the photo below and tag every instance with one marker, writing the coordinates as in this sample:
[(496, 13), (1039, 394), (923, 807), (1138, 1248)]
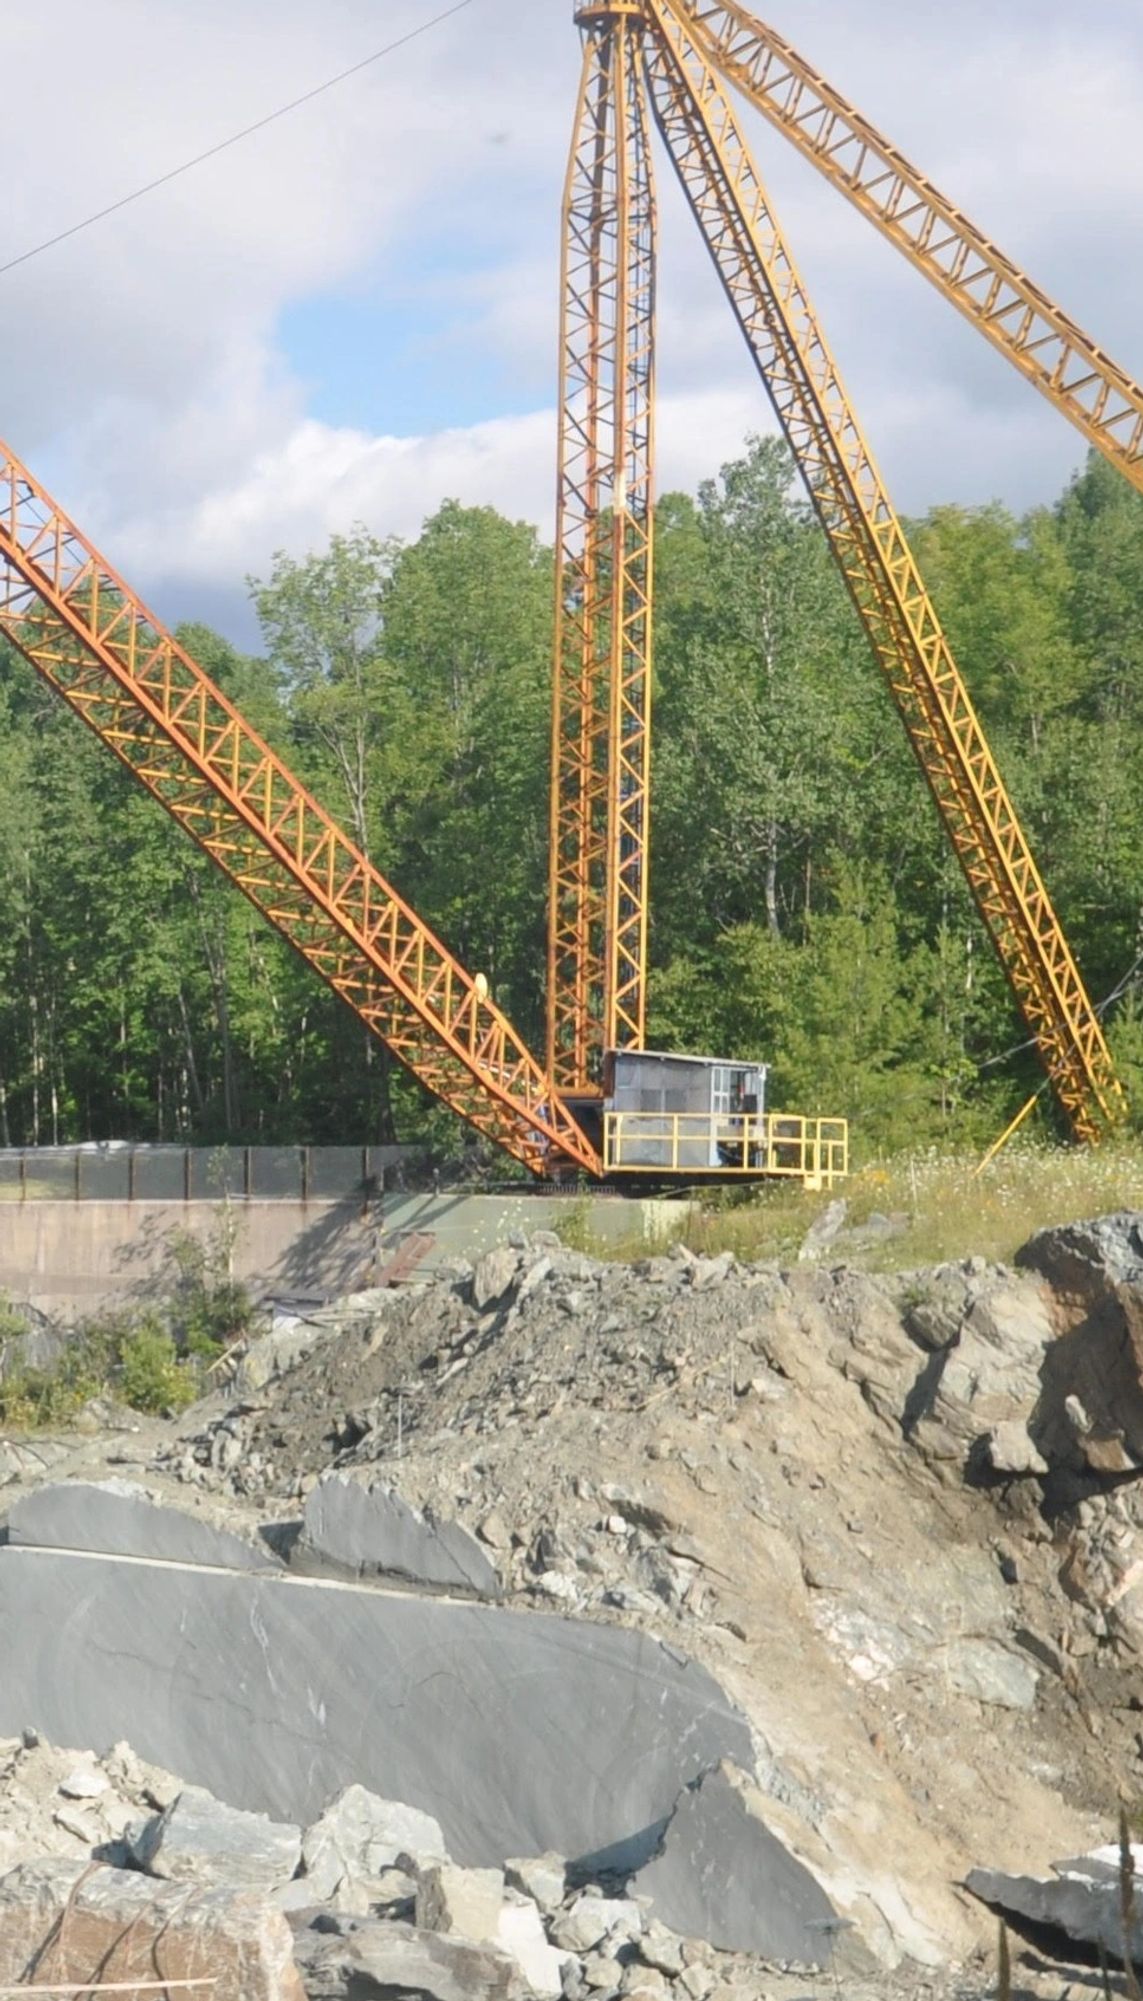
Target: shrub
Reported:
[(151, 1376)]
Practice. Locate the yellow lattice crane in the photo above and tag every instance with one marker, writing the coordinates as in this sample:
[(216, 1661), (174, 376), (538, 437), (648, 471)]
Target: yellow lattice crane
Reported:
[(602, 1104), (685, 50)]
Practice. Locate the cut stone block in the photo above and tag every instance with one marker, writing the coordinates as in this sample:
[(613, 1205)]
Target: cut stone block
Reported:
[(519, 1732), (118, 1518), (356, 1526), (722, 1875), (67, 1925), (199, 1840)]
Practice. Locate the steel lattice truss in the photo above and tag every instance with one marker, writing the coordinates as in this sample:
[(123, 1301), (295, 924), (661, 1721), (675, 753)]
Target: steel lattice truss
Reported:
[(114, 664), (601, 709), (87, 633), (689, 48)]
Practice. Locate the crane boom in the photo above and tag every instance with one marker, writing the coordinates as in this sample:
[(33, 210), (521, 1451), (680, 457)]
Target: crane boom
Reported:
[(601, 705), (93, 640), (724, 190), (1063, 362)]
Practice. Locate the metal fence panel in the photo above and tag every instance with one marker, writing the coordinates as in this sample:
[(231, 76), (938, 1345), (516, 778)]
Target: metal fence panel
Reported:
[(334, 1172), (217, 1173), (104, 1175), (111, 1173), (160, 1173)]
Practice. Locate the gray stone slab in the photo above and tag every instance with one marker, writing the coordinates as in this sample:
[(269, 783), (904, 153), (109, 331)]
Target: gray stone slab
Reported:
[(723, 1876), (520, 1732), (118, 1518), (355, 1525), (1086, 1909), (201, 1840), (389, 1962)]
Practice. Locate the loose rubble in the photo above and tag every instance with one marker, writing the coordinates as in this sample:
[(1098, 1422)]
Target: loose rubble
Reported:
[(892, 1529)]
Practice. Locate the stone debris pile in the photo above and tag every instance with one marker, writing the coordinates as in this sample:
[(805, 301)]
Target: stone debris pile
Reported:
[(112, 1868)]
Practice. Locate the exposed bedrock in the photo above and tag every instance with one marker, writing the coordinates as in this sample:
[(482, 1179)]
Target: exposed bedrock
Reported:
[(519, 1732)]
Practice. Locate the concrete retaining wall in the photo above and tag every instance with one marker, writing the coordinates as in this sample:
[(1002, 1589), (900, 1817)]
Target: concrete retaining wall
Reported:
[(70, 1257)]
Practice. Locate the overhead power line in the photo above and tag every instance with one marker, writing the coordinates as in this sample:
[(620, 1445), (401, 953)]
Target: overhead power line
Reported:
[(223, 145)]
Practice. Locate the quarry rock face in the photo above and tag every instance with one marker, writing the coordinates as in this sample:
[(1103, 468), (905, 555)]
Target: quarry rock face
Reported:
[(826, 1547), (72, 1925), (356, 1525)]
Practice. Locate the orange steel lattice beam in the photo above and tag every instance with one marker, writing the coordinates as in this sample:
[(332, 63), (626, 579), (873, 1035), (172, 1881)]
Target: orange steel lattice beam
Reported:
[(146, 698), (602, 679), (1063, 362), (724, 190)]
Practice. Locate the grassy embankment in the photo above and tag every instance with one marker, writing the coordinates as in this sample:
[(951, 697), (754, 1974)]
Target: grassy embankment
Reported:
[(941, 1207)]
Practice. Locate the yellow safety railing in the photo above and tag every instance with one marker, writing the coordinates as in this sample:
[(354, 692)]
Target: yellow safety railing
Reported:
[(735, 1146)]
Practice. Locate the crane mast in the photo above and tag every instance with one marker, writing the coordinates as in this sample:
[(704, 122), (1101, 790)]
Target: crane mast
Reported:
[(601, 709), (685, 43)]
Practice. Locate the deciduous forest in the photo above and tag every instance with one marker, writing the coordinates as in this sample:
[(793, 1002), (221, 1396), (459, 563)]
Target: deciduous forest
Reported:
[(806, 908)]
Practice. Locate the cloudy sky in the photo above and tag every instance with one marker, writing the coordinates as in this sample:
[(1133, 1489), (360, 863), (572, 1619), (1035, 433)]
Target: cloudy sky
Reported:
[(352, 315)]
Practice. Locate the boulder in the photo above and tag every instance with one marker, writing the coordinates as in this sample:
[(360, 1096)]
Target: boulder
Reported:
[(823, 1231), (543, 1878), (359, 1836), (1083, 1262), (720, 1874), (520, 1933), (392, 1962), (119, 1518), (355, 1525), (495, 1275), (465, 1903), (39, 1346), (1009, 1449), (988, 1335), (72, 1925), (593, 1919), (199, 1840)]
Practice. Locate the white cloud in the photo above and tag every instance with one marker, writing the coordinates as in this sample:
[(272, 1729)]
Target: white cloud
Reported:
[(143, 366)]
